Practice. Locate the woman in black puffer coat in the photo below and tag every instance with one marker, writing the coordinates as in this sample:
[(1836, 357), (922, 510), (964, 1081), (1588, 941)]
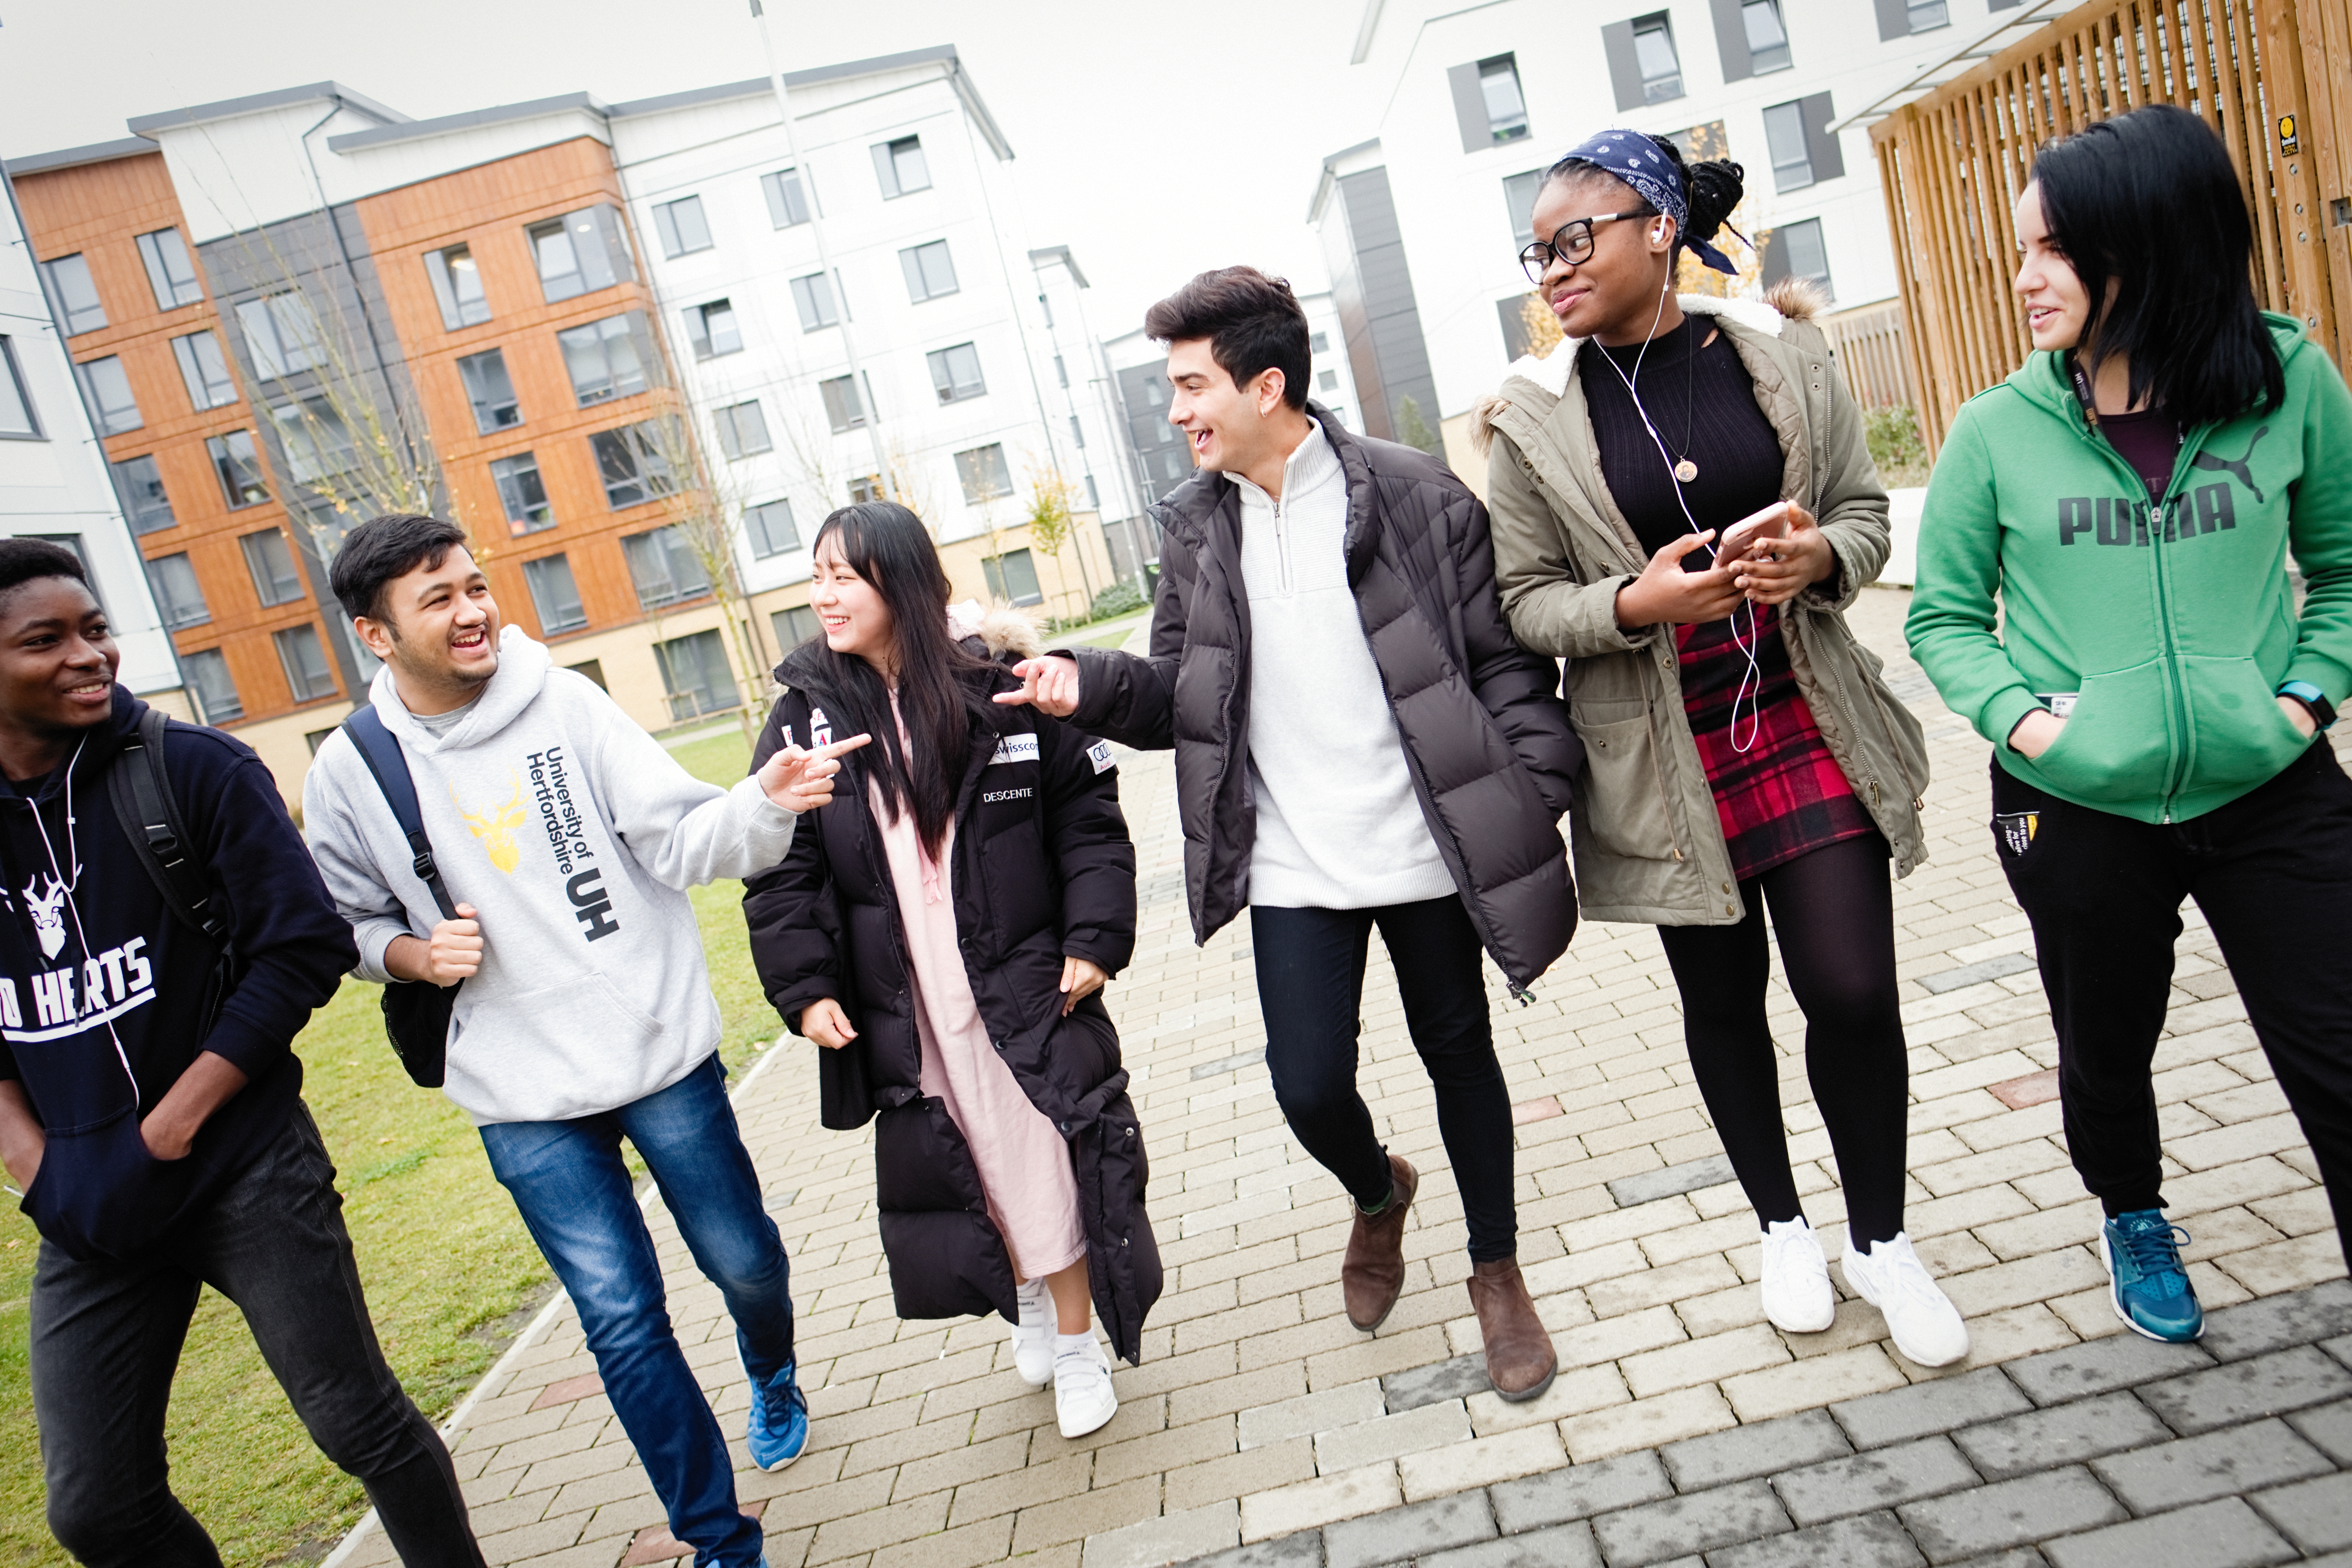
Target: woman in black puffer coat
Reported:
[(945, 927)]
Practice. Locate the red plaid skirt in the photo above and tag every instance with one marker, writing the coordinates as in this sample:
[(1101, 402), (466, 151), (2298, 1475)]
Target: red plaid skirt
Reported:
[(1778, 793)]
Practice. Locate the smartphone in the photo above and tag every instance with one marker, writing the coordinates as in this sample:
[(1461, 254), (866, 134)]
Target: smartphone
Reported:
[(1772, 522)]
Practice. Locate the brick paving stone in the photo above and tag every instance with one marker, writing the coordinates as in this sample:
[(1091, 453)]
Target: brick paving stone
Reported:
[(1302, 1505), (2100, 1366), (2224, 1534), (1171, 1538), (2300, 1319), (1580, 1491), (1310, 1414), (1866, 1540), (2329, 1427), (2316, 1514), (1682, 1526), (1304, 1550), (1506, 1456), (1408, 1531), (2065, 1434), (1765, 1447), (2009, 1513), (2244, 1390), (1877, 1419), (1459, 1378), (2195, 1470), (1561, 1546), (1880, 1479), (1392, 1436)]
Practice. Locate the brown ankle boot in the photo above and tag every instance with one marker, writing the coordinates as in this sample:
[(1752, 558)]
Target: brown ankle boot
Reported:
[(1520, 1360), (1374, 1271)]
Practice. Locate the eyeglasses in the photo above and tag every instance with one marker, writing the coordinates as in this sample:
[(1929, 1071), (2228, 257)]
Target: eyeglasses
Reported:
[(1572, 244)]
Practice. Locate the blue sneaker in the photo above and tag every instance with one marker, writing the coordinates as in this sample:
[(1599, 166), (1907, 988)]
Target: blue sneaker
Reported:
[(2149, 1284), (780, 1421)]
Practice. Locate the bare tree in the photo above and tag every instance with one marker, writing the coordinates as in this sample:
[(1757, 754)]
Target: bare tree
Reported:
[(706, 507)]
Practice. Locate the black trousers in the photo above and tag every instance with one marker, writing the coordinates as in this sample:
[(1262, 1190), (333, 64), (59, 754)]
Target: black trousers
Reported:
[(105, 1339), (1310, 988), (1833, 910), (2273, 872)]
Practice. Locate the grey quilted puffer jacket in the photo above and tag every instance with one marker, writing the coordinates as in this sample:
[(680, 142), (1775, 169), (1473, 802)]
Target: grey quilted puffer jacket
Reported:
[(1486, 736)]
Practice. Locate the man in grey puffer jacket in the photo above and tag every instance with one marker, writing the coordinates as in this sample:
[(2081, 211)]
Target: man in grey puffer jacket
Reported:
[(1359, 742)]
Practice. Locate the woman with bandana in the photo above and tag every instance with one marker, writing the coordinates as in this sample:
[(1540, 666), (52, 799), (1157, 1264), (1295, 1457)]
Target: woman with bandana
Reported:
[(1742, 750)]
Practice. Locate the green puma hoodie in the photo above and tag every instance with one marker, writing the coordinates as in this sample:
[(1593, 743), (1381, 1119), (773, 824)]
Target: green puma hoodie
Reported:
[(2172, 626)]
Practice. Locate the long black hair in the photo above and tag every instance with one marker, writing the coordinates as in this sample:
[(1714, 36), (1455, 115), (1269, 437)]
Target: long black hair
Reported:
[(2148, 205), (1712, 187), (940, 696)]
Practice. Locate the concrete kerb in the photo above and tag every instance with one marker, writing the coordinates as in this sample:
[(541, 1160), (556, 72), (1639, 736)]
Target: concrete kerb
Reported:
[(538, 1326)]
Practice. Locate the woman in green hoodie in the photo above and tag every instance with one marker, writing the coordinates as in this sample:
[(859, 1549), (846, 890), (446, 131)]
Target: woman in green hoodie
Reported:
[(2103, 592)]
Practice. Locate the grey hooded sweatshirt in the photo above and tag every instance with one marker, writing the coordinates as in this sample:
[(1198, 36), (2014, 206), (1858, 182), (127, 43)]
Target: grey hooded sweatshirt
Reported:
[(574, 834)]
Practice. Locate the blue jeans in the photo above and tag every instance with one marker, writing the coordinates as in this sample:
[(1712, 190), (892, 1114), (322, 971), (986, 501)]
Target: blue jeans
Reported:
[(568, 1180)]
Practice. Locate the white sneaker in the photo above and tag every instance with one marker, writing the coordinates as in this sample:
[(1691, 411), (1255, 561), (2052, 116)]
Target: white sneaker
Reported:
[(1083, 1400), (1032, 1336), (1796, 1295), (1927, 1327)]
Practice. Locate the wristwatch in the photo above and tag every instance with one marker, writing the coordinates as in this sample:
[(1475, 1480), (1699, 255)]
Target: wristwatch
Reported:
[(2323, 711)]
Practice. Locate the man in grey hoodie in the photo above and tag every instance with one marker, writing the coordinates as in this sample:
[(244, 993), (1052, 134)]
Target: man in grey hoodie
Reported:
[(566, 836)]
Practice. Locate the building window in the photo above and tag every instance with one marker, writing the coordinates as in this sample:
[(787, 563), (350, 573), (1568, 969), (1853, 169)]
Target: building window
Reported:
[(1046, 309), (1061, 373), (814, 297), (1654, 50), (594, 669), (1327, 380), (1487, 102), (555, 596), (1767, 40), (272, 565), (209, 684), (681, 227), (696, 676), (77, 294), (842, 409), (580, 252), (1077, 432), (521, 495), (1519, 192), (319, 444), (489, 390), (1784, 134), (607, 359), (769, 526), (238, 468), (930, 272), (866, 487), (742, 430), (169, 272), (281, 335), (955, 372), (1926, 15), (1795, 250), (1317, 342), (109, 396), (899, 166), (308, 674), (664, 567), (1013, 578), (457, 287), (787, 202), (15, 404), (205, 369), (141, 484), (630, 462), (177, 592), (983, 471), (794, 626), (712, 329)]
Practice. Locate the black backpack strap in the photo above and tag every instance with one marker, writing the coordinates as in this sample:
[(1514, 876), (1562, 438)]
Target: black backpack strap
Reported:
[(379, 748), (150, 813)]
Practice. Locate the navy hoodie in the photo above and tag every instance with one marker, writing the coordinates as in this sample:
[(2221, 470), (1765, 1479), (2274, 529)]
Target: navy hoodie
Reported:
[(105, 996)]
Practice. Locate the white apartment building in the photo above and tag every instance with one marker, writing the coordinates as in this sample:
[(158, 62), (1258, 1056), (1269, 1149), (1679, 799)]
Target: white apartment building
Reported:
[(1423, 218), (53, 475)]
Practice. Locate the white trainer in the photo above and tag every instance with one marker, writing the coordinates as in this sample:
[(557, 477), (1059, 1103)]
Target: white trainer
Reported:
[(1926, 1325), (1032, 1336), (1796, 1295), (1083, 1400)]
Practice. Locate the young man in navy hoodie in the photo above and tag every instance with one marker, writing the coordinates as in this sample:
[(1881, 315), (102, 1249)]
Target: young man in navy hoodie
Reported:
[(152, 1113)]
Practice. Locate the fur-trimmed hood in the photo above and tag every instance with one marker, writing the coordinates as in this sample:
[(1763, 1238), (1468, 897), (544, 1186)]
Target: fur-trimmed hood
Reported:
[(1790, 300)]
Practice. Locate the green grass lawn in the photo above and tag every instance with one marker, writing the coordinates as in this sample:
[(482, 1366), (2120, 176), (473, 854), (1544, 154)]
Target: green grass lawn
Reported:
[(447, 1266)]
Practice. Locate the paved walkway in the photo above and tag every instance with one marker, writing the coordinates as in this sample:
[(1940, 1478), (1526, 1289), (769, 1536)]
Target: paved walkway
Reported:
[(1259, 1417)]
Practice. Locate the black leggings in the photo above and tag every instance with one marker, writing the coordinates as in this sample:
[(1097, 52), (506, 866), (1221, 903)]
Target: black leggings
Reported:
[(1833, 911)]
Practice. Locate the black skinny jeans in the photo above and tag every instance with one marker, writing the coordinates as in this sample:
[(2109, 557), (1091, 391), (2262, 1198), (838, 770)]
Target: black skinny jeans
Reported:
[(1310, 988), (1833, 911), (105, 1339), (2273, 872)]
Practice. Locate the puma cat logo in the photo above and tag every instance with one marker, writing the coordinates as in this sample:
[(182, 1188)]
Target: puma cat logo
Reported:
[(2239, 467)]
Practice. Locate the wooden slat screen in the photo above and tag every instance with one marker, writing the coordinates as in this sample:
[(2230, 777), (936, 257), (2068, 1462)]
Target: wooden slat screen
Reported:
[(1868, 343)]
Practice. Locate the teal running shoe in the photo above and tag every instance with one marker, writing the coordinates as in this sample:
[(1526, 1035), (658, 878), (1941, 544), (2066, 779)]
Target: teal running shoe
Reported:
[(2148, 1283), (780, 1421)]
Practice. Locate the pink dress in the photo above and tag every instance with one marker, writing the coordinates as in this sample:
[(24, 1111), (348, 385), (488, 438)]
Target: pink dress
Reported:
[(1024, 1165)]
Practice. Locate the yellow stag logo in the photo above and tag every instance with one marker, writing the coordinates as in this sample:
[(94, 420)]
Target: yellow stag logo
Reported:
[(496, 828)]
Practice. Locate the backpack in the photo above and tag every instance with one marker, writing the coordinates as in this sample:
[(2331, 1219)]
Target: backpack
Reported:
[(415, 1012), (142, 792)]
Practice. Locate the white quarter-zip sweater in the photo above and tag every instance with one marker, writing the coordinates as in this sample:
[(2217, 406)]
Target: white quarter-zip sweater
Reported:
[(1339, 826)]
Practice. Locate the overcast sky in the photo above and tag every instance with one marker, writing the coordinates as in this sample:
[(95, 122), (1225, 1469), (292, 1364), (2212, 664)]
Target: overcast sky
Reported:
[(1154, 141)]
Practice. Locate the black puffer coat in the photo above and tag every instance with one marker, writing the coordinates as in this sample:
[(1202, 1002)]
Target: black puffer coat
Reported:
[(1486, 736), (1041, 867)]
